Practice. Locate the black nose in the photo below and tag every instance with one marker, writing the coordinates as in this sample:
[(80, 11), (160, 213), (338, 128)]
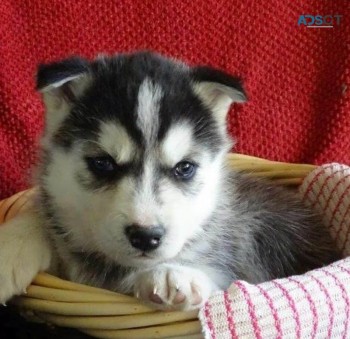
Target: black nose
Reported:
[(145, 238)]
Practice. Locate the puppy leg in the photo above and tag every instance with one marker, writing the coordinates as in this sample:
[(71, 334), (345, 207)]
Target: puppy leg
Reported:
[(174, 287), (24, 251)]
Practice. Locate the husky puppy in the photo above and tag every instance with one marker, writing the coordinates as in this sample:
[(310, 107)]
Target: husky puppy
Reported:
[(135, 194)]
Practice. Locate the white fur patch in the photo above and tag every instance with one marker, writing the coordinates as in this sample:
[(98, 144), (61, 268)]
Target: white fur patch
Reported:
[(148, 101), (145, 205), (24, 251), (117, 142), (176, 144), (185, 215)]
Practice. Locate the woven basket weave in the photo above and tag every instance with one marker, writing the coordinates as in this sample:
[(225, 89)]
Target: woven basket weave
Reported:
[(106, 314)]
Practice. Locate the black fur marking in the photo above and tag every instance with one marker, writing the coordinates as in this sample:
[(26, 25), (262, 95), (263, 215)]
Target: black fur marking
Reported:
[(116, 172), (54, 72), (113, 93), (209, 74), (78, 126), (93, 182)]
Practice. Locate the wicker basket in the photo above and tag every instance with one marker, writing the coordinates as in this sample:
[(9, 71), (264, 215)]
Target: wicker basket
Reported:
[(106, 314)]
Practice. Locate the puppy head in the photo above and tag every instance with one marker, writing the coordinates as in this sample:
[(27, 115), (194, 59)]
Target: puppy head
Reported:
[(134, 146)]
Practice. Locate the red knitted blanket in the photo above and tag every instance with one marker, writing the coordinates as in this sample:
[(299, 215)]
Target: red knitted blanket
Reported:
[(297, 77)]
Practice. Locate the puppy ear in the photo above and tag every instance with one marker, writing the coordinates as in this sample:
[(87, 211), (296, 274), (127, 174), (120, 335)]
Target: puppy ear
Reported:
[(63, 78), (61, 84), (217, 90)]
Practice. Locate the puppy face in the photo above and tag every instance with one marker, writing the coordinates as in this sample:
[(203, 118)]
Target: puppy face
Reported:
[(133, 150)]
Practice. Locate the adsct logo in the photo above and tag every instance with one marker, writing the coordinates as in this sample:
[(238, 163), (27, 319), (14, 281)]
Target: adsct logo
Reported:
[(319, 21)]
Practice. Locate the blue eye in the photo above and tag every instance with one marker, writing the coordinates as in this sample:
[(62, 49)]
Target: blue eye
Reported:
[(102, 166), (184, 170)]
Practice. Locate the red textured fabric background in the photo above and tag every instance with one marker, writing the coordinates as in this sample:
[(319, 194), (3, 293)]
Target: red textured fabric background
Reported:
[(297, 77)]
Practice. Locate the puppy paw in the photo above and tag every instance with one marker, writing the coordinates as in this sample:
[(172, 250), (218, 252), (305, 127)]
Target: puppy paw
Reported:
[(24, 251), (172, 287)]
